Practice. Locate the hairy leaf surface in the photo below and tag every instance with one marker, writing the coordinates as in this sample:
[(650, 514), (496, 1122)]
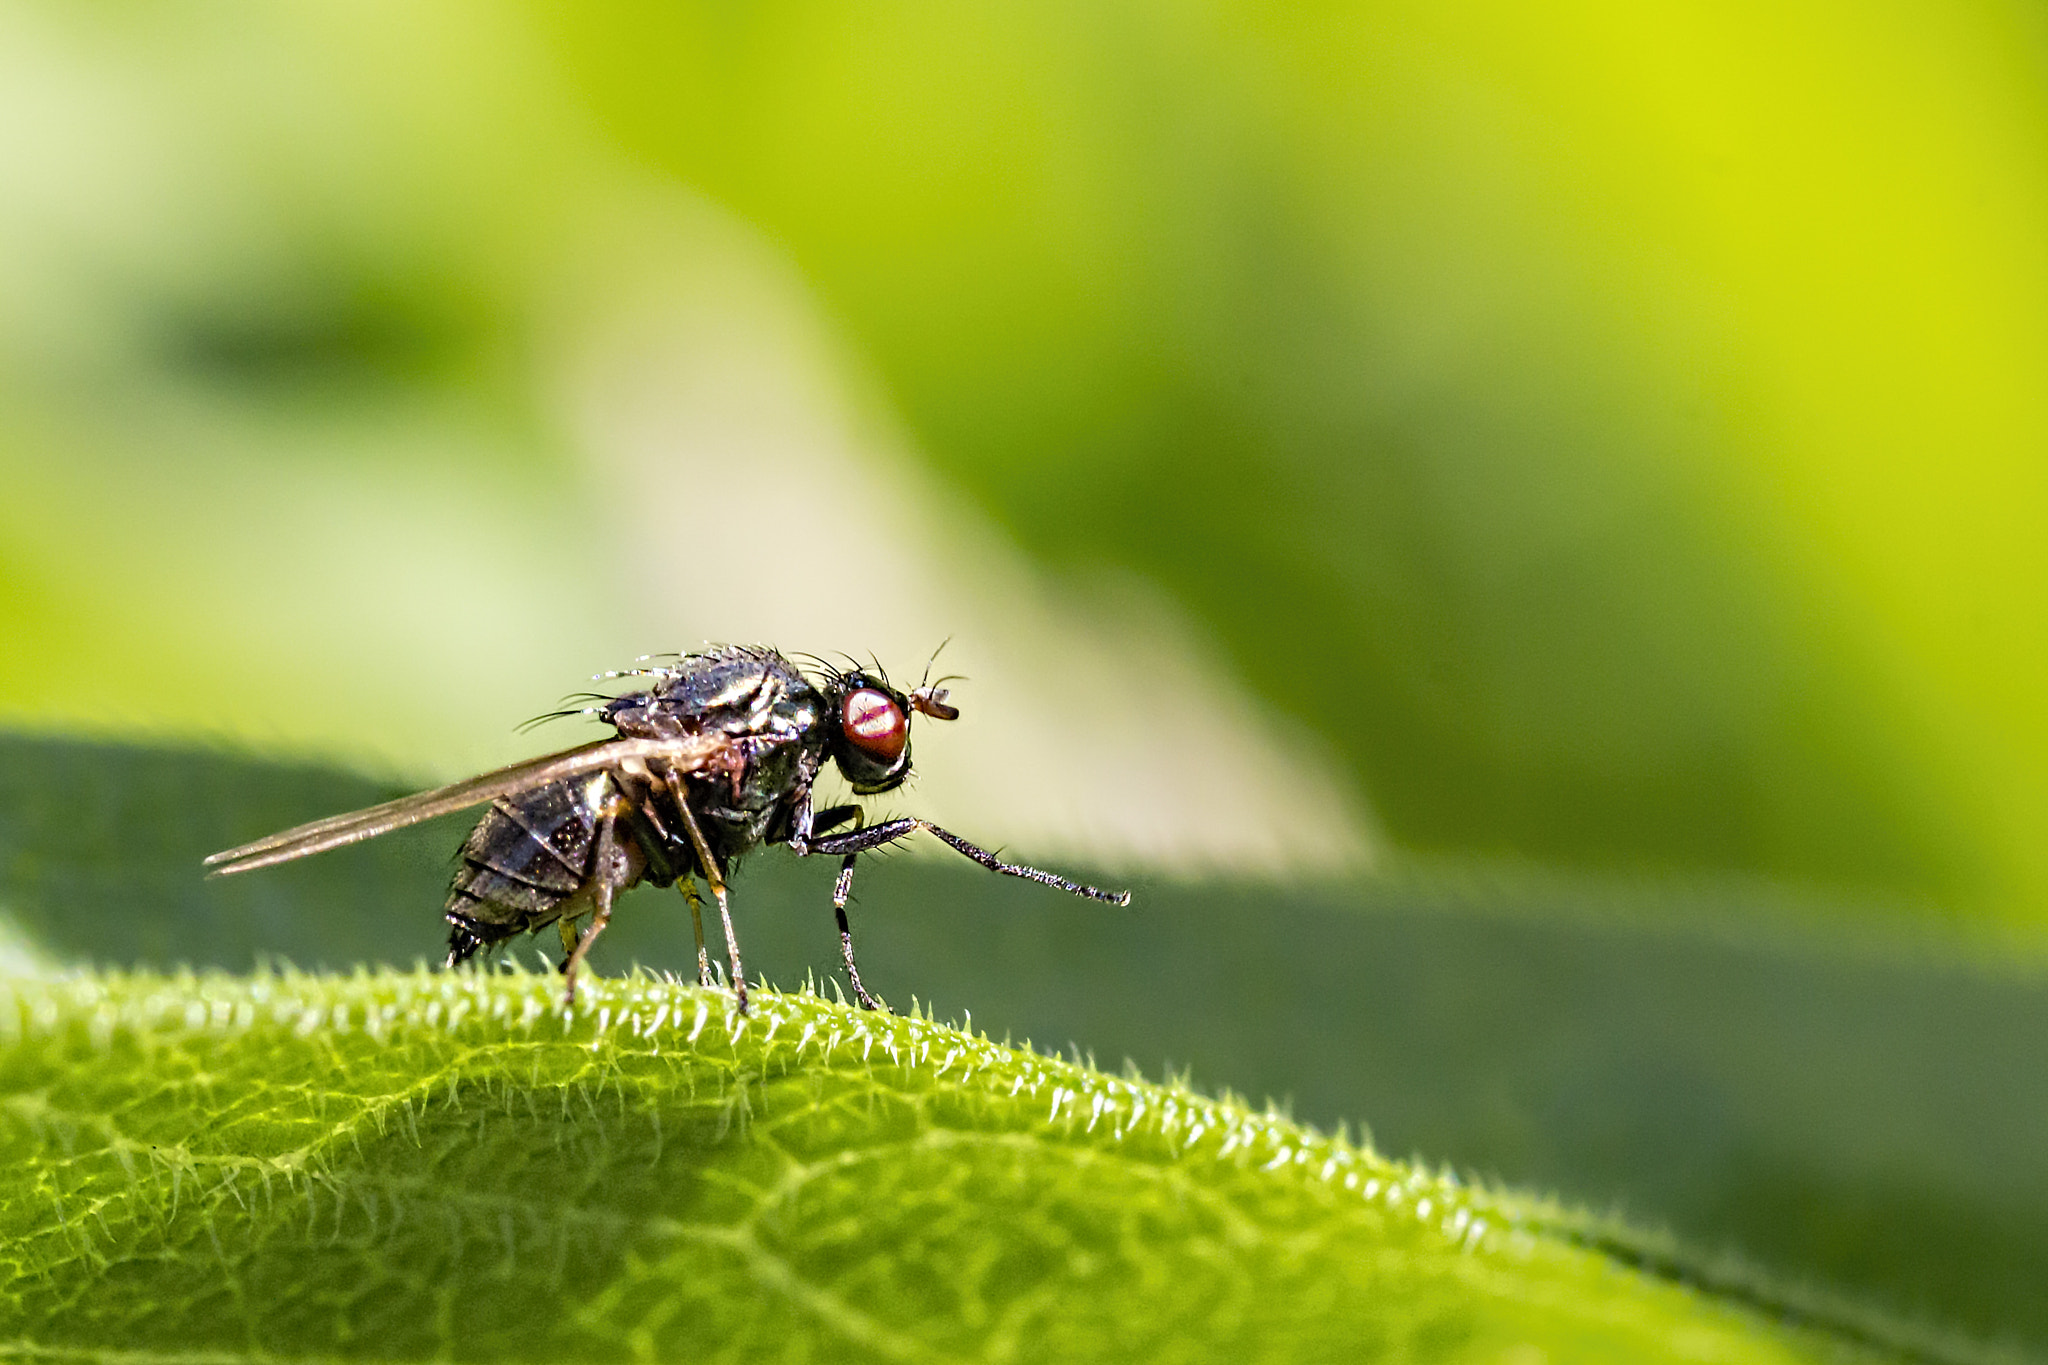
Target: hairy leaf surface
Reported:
[(445, 1166)]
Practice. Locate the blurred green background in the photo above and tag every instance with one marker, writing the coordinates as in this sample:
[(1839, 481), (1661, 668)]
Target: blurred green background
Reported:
[(1429, 467)]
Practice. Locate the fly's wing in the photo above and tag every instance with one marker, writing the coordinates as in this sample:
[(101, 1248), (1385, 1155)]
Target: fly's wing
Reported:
[(687, 754)]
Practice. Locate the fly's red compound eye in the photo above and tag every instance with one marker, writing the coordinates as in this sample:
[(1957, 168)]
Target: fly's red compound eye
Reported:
[(875, 724)]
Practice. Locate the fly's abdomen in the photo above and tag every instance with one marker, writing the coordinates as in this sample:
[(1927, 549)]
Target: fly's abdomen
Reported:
[(528, 857)]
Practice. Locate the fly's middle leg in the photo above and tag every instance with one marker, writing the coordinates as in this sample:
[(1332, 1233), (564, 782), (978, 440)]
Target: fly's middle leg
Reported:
[(715, 875), (689, 889), (842, 888), (867, 1002)]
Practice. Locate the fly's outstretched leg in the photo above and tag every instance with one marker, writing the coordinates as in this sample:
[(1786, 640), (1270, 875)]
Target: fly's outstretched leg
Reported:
[(861, 840), (715, 875), (849, 846)]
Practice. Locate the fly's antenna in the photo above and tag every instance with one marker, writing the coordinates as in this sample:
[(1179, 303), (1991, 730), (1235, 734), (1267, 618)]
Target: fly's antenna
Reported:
[(928, 698), (931, 701)]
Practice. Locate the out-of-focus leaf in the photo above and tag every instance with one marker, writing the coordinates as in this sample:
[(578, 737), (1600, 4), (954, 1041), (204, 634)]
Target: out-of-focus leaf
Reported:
[(1616, 433), (1616, 437)]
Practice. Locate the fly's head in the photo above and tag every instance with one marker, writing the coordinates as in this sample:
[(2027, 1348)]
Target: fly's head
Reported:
[(868, 731)]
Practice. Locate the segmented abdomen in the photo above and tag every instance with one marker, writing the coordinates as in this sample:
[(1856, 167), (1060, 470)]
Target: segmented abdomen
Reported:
[(528, 855)]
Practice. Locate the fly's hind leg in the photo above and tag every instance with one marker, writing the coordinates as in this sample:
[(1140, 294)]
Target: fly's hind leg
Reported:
[(605, 875), (715, 875)]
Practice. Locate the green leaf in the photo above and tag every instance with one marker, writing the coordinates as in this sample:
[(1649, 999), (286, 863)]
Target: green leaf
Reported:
[(453, 1166), (1863, 1118)]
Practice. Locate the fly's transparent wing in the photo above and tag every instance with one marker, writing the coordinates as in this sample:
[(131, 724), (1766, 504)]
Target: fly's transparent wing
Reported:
[(689, 754)]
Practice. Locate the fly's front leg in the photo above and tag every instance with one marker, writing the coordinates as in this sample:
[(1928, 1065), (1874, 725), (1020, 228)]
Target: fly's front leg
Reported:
[(861, 840), (716, 877), (843, 888)]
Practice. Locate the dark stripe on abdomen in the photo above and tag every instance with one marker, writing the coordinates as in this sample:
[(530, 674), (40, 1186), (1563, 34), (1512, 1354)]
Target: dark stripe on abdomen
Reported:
[(520, 864)]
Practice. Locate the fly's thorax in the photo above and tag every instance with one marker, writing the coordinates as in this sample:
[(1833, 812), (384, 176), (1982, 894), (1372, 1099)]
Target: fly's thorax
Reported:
[(772, 714), (727, 691), (727, 685), (740, 809), (772, 717)]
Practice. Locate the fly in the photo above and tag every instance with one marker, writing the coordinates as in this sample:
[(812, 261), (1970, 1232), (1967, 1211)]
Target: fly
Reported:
[(716, 757)]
